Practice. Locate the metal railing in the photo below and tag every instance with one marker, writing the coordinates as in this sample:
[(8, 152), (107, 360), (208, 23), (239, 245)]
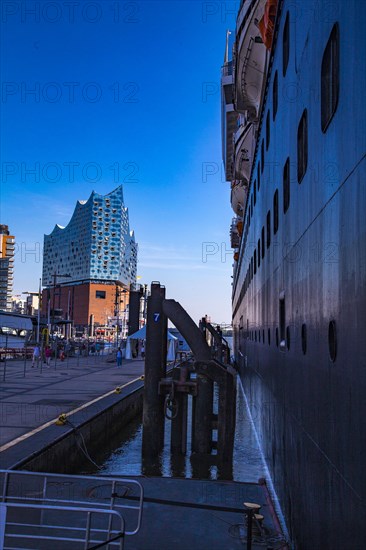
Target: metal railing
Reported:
[(47, 493), (15, 534)]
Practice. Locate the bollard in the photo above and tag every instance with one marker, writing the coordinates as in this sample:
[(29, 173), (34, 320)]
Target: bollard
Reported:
[(250, 509), (155, 369)]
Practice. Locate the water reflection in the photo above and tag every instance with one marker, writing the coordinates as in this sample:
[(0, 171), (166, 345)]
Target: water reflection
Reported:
[(124, 455)]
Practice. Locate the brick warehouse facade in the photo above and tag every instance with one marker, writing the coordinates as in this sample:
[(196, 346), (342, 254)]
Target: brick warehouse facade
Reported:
[(84, 300)]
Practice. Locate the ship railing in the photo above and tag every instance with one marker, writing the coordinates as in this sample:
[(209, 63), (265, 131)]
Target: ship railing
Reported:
[(74, 531), (227, 69), (102, 495)]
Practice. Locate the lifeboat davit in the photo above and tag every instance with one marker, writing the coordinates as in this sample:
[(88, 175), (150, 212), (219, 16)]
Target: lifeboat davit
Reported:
[(236, 231)]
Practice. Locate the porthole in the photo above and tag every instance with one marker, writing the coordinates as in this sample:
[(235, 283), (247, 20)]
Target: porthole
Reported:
[(330, 78), (262, 156), (332, 341), (304, 342), (288, 343), (275, 95), (286, 45)]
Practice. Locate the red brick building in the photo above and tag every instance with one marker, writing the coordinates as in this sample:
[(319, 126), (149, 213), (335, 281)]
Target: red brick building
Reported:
[(79, 301)]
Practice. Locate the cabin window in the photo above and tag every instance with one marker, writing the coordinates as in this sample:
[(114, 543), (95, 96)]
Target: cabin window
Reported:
[(255, 193), (288, 338), (302, 146), (275, 212), (262, 156), (269, 336), (259, 252), (268, 129), (286, 44), (268, 228), (251, 268), (100, 294), (332, 341), (286, 186), (277, 336), (282, 321), (255, 262), (330, 78), (263, 247), (259, 175), (251, 204), (304, 342), (275, 95)]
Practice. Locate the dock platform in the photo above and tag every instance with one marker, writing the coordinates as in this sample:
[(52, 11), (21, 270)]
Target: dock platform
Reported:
[(80, 388)]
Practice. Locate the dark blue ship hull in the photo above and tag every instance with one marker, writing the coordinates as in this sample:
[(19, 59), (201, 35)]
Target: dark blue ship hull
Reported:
[(299, 294)]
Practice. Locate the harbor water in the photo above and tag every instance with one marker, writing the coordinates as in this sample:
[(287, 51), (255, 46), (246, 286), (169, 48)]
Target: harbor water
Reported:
[(123, 455)]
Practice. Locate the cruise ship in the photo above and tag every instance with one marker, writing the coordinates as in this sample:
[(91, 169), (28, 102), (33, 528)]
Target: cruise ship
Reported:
[(293, 134)]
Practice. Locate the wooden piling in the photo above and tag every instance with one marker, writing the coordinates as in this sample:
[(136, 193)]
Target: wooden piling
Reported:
[(155, 369), (202, 416)]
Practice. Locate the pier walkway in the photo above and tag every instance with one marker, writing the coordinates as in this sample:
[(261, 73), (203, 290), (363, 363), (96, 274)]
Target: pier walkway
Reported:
[(32, 403)]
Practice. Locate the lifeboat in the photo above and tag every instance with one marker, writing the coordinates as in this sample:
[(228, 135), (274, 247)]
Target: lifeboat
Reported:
[(250, 60), (266, 24), (244, 151), (239, 193)]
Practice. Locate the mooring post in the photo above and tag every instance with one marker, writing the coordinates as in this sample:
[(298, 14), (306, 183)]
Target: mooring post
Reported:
[(226, 418), (202, 416), (134, 311), (153, 411)]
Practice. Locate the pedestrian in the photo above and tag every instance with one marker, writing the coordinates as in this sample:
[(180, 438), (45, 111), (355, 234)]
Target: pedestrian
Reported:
[(36, 355), (48, 354), (143, 350), (97, 348), (119, 358)]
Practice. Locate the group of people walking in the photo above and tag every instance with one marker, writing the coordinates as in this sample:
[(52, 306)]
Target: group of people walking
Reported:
[(45, 355), (37, 356)]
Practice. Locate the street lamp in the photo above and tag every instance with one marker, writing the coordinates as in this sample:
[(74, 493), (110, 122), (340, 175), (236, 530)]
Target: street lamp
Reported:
[(38, 308), (117, 303), (55, 275)]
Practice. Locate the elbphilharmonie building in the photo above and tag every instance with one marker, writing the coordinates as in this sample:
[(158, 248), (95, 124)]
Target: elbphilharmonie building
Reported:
[(92, 255)]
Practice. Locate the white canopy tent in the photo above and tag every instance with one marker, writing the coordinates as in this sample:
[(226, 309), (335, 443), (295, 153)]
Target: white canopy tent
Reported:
[(141, 335)]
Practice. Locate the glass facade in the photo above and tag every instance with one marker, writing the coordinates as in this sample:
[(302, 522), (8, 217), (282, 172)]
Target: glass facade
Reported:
[(96, 245)]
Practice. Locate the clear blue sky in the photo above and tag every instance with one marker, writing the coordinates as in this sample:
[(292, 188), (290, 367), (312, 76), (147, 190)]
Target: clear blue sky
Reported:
[(133, 85)]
